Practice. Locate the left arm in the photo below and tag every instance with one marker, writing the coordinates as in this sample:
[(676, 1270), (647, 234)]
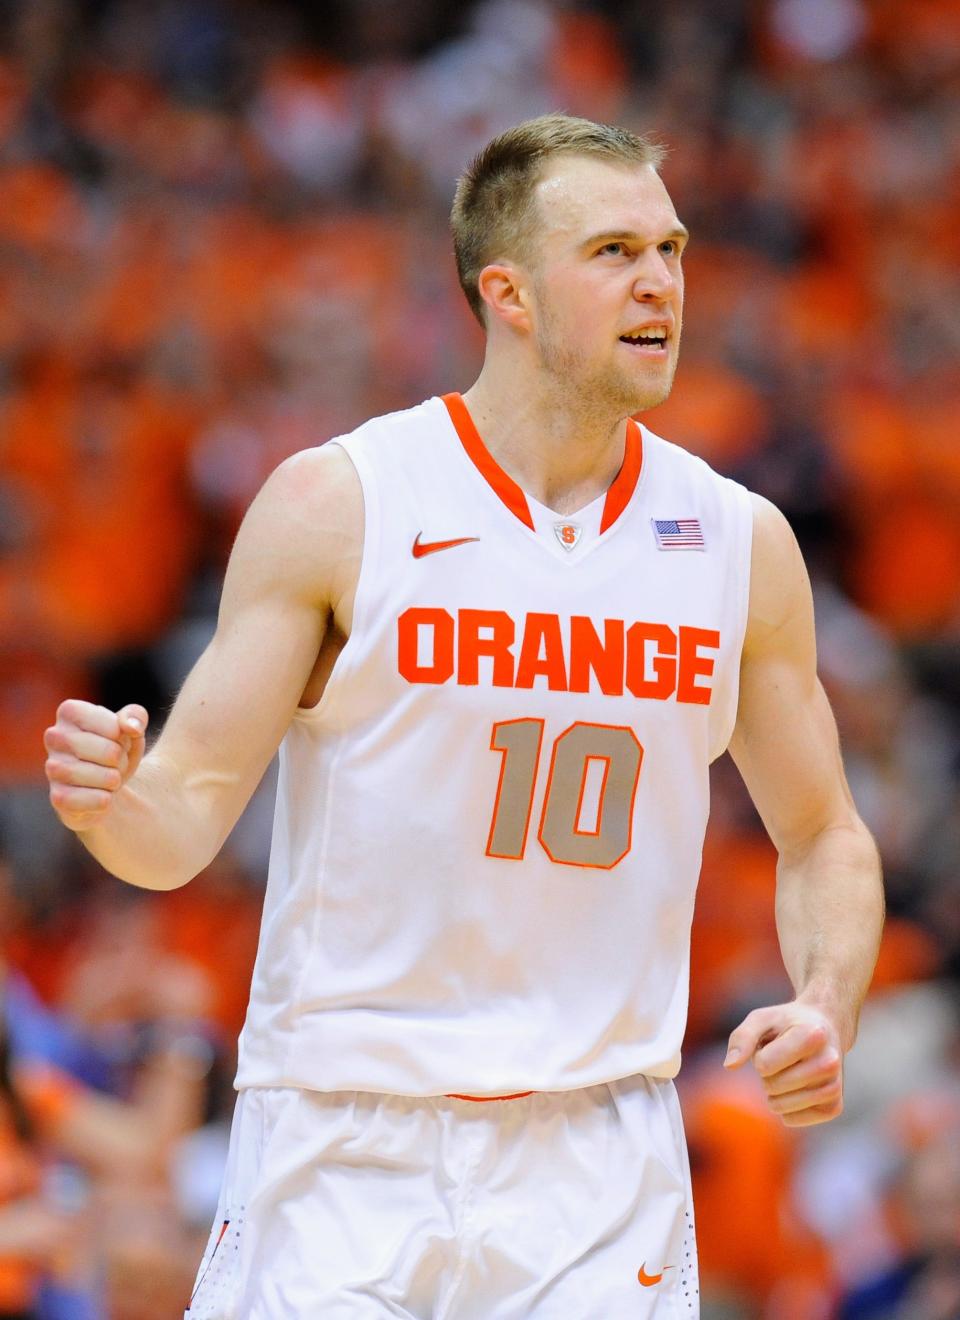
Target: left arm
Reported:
[(829, 889)]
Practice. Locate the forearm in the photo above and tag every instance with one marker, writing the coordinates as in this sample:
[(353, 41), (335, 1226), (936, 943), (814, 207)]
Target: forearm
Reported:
[(829, 919), (159, 831)]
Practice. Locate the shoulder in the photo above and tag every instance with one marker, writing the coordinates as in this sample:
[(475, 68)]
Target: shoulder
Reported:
[(774, 546), (671, 458), (311, 498), (682, 484), (302, 533), (324, 488), (773, 537), (396, 431), (780, 596), (321, 477), (311, 481)]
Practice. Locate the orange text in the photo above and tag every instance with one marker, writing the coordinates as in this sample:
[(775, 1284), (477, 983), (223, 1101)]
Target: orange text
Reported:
[(649, 660)]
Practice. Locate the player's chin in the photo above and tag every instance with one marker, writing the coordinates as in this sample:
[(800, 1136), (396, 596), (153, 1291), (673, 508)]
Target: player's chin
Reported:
[(648, 394)]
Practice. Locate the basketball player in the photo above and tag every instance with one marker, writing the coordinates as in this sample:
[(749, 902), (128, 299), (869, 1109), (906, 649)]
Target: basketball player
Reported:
[(500, 637)]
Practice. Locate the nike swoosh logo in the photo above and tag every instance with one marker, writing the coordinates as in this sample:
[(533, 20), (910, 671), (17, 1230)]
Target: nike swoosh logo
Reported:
[(648, 1280), (421, 548)]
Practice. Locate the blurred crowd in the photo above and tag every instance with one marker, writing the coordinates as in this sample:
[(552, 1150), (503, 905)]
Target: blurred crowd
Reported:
[(222, 239)]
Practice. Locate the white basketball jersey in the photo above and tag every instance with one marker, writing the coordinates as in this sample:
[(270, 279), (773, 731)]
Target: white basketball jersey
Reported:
[(488, 832)]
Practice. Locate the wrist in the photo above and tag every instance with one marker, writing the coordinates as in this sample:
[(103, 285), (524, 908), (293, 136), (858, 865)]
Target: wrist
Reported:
[(831, 1000)]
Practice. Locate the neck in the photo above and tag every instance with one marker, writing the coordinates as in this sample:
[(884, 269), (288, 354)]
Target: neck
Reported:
[(563, 452)]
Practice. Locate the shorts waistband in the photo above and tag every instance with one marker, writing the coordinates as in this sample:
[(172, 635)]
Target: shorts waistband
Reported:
[(482, 1099)]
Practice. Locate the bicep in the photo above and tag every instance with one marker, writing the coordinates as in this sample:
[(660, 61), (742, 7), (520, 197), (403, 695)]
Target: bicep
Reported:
[(281, 584), (785, 743)]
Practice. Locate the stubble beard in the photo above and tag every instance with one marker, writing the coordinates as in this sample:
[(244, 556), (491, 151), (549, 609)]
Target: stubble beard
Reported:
[(579, 386)]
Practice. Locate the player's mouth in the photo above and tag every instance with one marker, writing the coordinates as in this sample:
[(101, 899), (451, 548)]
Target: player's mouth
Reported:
[(648, 340)]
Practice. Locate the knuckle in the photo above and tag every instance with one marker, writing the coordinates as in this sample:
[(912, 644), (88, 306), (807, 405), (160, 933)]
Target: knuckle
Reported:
[(60, 796), (57, 739)]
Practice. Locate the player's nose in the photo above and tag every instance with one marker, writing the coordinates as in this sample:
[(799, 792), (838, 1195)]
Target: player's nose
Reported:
[(654, 277)]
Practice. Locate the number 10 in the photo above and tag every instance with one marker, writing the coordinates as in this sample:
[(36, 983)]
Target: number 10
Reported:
[(582, 753)]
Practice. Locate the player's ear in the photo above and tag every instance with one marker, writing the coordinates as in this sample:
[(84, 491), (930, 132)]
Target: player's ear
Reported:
[(505, 290)]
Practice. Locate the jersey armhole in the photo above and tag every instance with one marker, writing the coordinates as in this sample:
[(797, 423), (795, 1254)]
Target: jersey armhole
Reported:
[(365, 579), (741, 571)]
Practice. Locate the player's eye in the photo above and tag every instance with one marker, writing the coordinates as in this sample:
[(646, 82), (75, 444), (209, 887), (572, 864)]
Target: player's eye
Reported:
[(614, 248), (670, 247)]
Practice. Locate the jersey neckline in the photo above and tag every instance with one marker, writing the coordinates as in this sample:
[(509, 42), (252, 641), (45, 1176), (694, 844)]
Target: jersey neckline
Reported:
[(513, 496)]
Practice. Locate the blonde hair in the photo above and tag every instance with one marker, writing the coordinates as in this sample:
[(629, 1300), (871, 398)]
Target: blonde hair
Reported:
[(493, 204)]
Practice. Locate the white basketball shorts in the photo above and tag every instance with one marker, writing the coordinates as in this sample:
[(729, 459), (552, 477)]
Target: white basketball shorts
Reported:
[(564, 1205)]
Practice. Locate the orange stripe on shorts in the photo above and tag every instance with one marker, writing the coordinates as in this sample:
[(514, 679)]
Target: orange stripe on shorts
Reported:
[(481, 1099)]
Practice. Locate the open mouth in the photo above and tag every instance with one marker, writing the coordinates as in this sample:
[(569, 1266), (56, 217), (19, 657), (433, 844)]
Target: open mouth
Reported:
[(653, 338)]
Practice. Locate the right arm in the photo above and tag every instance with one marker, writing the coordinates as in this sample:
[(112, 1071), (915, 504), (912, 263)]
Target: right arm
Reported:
[(157, 821)]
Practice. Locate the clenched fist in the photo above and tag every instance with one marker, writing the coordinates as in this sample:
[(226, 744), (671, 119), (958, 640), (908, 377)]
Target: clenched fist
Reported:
[(796, 1051), (91, 753)]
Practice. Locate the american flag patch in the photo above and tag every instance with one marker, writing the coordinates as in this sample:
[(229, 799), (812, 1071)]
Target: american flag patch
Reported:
[(678, 533)]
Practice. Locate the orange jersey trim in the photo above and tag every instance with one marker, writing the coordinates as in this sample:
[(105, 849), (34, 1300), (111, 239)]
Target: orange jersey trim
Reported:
[(482, 1099), (625, 483), (493, 474), (507, 490)]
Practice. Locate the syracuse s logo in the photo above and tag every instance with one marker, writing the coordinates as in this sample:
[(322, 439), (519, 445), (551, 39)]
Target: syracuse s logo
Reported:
[(568, 534)]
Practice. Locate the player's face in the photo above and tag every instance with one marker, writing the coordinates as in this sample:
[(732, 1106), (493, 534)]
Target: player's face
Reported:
[(606, 276)]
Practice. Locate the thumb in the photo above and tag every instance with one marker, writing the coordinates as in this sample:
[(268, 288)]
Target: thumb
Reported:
[(755, 1027), (133, 728), (133, 721)]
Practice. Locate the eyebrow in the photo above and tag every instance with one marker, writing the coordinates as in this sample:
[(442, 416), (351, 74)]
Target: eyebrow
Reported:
[(617, 235)]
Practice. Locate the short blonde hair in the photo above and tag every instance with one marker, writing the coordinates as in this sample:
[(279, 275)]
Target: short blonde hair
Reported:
[(492, 206)]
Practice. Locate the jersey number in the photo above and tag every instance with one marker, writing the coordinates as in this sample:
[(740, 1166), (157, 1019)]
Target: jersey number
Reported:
[(587, 817)]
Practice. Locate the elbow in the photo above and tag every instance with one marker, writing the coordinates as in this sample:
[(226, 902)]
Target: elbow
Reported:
[(160, 880), (162, 871), (847, 833)]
